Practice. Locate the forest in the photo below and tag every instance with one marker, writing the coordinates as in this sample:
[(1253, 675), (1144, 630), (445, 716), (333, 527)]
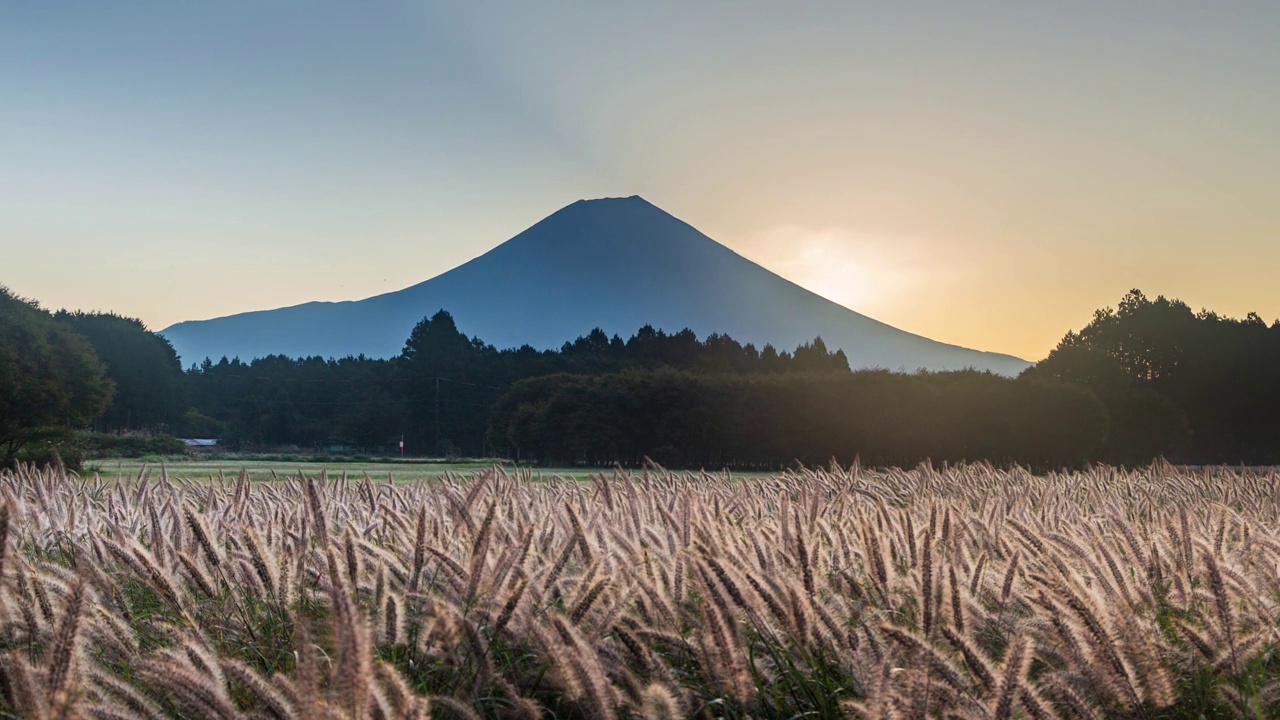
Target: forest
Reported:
[(1149, 378)]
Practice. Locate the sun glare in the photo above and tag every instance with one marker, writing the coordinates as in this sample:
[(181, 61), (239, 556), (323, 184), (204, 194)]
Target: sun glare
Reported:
[(862, 272)]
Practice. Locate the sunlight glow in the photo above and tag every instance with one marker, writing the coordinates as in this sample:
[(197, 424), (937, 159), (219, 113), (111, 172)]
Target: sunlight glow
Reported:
[(863, 272)]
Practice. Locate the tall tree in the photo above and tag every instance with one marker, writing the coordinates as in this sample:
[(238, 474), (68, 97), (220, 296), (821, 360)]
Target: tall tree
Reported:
[(143, 366), (50, 378), (1152, 360), (445, 379)]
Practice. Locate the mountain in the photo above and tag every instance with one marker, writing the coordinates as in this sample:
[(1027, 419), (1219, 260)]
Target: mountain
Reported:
[(614, 263)]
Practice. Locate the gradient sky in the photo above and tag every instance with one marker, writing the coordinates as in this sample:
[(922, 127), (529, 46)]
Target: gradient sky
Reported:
[(982, 173)]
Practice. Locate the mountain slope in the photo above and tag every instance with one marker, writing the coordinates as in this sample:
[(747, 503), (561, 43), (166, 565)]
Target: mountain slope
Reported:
[(615, 263)]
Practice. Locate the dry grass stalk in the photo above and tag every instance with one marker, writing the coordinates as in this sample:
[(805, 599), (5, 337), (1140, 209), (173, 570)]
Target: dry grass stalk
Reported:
[(895, 593)]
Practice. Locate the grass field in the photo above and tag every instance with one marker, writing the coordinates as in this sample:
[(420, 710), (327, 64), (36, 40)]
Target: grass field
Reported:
[(198, 469), (967, 592)]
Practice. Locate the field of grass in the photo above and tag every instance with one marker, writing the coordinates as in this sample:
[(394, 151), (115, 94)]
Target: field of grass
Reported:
[(962, 593), (257, 470)]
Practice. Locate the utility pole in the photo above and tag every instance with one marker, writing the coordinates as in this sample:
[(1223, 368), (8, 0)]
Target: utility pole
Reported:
[(437, 422)]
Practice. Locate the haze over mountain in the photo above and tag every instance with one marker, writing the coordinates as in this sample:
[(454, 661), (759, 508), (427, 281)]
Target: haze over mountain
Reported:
[(613, 263)]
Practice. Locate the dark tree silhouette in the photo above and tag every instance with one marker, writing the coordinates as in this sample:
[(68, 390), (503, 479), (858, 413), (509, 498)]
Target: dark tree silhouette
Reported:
[(444, 372), (768, 421), (50, 378), (440, 392), (1197, 387), (143, 366)]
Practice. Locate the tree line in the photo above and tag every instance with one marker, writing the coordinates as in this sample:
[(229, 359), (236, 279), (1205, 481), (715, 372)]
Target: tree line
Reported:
[(439, 393), (684, 419), (1147, 379), (1195, 387)]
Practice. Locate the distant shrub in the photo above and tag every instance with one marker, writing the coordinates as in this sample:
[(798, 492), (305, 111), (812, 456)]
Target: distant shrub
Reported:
[(52, 454), (127, 445), (195, 424)]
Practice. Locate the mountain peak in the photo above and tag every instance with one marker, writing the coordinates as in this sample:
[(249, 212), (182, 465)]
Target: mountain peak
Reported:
[(632, 202), (616, 263), (629, 198), (609, 222)]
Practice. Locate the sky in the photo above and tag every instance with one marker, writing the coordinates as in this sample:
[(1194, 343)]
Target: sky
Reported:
[(982, 173)]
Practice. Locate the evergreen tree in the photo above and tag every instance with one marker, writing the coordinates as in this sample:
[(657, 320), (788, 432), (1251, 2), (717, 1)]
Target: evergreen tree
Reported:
[(142, 365), (50, 378)]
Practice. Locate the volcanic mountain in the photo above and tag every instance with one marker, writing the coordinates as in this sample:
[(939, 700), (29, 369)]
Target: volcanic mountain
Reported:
[(614, 263)]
